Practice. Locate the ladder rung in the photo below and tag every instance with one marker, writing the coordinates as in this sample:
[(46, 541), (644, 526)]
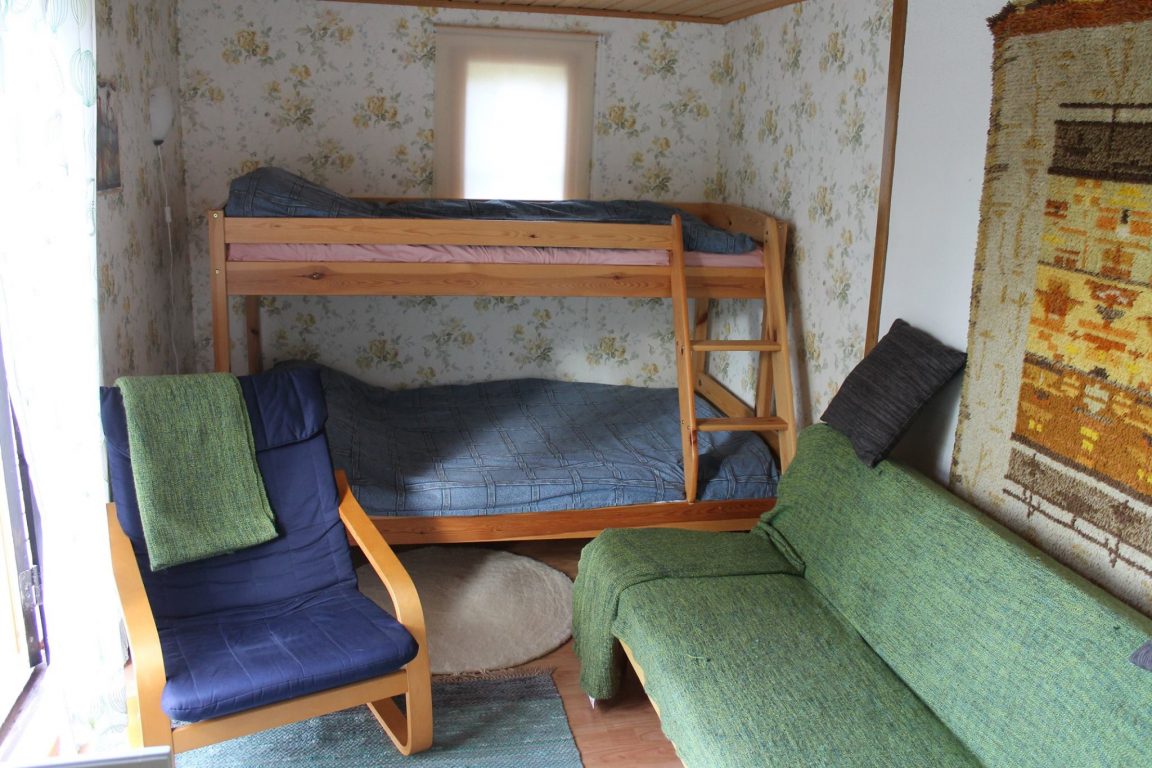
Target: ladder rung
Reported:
[(734, 345), (743, 424)]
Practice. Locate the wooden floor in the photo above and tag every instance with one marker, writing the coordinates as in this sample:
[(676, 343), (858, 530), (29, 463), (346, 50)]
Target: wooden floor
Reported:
[(622, 732)]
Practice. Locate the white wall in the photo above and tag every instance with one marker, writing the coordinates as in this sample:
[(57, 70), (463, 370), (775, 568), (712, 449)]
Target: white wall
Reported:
[(941, 142)]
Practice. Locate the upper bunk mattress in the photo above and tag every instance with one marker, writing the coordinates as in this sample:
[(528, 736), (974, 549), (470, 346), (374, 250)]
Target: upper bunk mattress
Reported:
[(276, 193), (527, 445)]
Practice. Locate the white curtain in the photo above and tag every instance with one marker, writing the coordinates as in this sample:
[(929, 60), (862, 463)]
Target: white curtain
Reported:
[(48, 318)]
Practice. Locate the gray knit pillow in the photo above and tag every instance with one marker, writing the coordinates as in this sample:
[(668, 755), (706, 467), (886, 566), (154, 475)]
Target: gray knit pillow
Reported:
[(877, 401)]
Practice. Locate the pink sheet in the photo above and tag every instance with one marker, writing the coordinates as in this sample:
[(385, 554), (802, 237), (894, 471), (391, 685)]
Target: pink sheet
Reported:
[(477, 254)]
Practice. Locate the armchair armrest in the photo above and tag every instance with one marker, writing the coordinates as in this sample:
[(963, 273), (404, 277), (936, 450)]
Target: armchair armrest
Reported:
[(155, 728), (411, 730), (391, 571)]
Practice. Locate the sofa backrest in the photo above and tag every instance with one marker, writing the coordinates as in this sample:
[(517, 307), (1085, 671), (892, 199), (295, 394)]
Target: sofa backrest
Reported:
[(1027, 663)]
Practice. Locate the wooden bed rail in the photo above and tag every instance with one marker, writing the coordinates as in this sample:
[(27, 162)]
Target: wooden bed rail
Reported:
[(538, 234)]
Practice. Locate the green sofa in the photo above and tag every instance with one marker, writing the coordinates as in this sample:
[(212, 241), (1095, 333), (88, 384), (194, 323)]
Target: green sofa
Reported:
[(871, 619)]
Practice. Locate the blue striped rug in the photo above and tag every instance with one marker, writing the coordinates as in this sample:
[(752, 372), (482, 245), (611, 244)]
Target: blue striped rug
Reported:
[(495, 722)]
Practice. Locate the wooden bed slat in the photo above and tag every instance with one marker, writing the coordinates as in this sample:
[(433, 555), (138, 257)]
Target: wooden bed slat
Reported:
[(730, 515), (750, 424), (539, 234), (735, 345), (344, 278)]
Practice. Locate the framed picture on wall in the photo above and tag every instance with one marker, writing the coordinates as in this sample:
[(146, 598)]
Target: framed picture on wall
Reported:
[(107, 138)]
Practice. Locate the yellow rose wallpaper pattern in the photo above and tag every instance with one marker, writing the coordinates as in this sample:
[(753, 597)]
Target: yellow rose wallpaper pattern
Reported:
[(144, 293), (775, 112)]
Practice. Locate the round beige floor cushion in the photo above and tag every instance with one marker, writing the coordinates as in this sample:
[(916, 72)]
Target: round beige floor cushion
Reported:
[(484, 608)]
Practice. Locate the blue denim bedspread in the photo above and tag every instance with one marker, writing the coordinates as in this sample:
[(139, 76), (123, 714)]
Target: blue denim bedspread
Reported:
[(527, 445), (274, 192)]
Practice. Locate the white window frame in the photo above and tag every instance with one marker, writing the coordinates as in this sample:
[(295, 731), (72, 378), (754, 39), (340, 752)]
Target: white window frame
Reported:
[(457, 46)]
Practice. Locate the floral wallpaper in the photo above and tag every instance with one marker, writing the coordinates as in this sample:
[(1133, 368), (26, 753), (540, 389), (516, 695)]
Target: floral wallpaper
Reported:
[(802, 138), (342, 93), (145, 302), (783, 111)]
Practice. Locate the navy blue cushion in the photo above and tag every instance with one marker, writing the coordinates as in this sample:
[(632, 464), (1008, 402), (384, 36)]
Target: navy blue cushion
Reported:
[(332, 639), (267, 587), (287, 412)]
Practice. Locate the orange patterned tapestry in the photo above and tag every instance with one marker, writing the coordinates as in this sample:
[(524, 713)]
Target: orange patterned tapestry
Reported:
[(1056, 416)]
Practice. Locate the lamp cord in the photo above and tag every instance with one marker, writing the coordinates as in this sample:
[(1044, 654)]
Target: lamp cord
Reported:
[(171, 261)]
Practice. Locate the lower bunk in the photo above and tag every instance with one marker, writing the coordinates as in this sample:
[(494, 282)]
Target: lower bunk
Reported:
[(535, 458)]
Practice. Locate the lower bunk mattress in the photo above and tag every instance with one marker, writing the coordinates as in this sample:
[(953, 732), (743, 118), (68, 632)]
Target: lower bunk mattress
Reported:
[(528, 445)]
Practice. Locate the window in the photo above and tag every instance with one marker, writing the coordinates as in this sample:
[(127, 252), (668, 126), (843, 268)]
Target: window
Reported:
[(513, 113)]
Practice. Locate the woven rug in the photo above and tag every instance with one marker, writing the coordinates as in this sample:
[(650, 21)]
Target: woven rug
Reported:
[(1055, 434), (510, 721), (484, 608)]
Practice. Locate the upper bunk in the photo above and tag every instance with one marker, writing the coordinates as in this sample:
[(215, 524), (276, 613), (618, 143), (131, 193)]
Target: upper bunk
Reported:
[(281, 235)]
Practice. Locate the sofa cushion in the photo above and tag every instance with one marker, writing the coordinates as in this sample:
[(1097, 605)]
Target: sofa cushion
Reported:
[(758, 671), (618, 559), (1025, 662), (888, 387)]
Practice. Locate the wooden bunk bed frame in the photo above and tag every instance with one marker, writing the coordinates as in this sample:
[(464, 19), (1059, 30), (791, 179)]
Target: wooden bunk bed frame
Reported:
[(772, 415)]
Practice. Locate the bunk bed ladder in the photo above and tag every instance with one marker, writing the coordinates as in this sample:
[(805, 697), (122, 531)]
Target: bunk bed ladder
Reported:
[(774, 384)]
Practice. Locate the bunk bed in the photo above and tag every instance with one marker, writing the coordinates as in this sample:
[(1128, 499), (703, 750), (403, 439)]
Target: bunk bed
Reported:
[(318, 243)]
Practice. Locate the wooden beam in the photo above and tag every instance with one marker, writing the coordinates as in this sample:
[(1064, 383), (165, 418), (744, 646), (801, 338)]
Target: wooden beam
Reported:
[(731, 515), (888, 165)]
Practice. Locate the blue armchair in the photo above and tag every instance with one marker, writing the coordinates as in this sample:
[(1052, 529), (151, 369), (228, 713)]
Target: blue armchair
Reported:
[(278, 632)]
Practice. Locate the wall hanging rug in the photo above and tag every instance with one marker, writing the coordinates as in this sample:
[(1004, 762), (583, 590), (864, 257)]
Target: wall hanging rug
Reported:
[(1055, 435), (484, 608), (510, 719)]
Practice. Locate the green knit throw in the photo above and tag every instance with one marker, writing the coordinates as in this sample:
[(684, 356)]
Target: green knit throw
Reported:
[(198, 487), (621, 558)]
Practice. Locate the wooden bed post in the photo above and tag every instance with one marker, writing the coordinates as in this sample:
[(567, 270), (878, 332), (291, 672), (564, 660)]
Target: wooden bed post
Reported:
[(685, 381), (764, 379), (702, 308), (217, 251), (252, 334), (779, 364)]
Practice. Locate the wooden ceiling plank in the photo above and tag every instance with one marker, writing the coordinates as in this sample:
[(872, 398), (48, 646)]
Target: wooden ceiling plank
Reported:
[(580, 10), (734, 12), (712, 8), (674, 7), (636, 6), (690, 7)]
